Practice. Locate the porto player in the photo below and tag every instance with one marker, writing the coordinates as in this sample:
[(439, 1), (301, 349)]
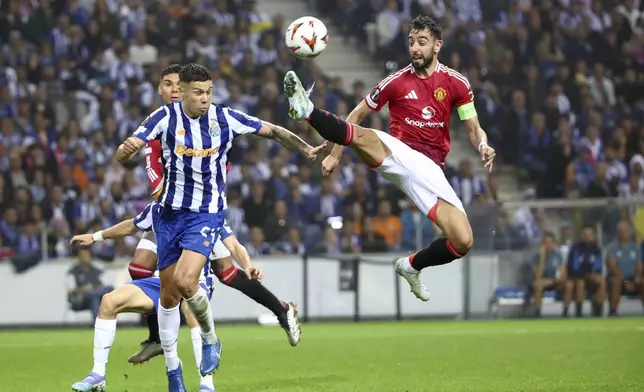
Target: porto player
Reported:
[(412, 155), (196, 137), (144, 260)]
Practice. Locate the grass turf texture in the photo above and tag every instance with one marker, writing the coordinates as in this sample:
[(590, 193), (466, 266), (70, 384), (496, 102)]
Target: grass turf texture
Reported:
[(541, 355)]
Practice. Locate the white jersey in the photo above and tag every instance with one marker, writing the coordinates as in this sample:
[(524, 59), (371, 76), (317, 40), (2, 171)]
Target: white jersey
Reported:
[(194, 153)]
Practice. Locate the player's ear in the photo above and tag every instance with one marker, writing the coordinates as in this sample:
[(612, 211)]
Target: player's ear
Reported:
[(438, 45)]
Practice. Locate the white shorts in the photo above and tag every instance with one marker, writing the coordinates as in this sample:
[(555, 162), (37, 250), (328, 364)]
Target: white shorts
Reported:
[(148, 242), (416, 175), (219, 251)]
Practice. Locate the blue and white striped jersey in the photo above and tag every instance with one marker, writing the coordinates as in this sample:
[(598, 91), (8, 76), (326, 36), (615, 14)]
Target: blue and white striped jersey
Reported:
[(143, 221), (194, 152)]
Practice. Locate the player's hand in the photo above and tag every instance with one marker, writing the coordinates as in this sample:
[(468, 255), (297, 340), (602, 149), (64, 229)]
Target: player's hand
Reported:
[(329, 164), (82, 239), (487, 156), (254, 273), (313, 152), (130, 146)]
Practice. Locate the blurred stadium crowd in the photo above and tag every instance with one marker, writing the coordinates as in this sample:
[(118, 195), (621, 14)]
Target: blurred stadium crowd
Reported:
[(558, 86)]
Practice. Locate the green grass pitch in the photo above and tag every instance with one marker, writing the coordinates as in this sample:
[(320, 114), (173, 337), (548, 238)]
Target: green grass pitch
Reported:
[(541, 355)]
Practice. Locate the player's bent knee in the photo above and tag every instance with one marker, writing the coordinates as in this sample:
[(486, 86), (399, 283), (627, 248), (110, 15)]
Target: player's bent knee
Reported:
[(463, 241), (187, 284), (222, 265), (110, 305)]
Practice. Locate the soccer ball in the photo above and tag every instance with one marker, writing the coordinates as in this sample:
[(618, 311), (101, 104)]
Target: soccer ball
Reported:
[(306, 37)]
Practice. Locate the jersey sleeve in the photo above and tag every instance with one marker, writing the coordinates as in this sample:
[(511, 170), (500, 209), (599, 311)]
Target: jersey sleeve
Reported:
[(154, 167), (382, 93), (152, 127), (242, 123), (462, 96), (143, 221)]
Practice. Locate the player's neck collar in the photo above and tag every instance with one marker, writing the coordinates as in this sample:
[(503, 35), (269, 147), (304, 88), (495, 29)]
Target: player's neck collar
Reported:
[(413, 71), (183, 110)]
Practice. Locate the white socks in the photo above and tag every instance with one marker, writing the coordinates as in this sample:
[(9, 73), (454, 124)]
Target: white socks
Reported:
[(407, 266), (195, 334), (200, 307), (169, 322), (104, 332), (309, 109)]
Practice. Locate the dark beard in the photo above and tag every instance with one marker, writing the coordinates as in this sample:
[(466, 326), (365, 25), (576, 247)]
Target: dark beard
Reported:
[(426, 62)]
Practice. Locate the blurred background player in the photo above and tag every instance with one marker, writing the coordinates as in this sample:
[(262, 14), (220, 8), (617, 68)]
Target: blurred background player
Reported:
[(625, 268), (584, 270), (198, 135), (420, 97), (549, 274), (144, 261), (140, 296)]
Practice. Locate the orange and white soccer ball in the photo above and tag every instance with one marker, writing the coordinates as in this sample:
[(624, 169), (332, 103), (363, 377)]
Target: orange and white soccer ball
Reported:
[(306, 37)]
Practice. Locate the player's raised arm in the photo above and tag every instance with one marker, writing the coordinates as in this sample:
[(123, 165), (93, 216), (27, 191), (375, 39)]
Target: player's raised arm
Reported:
[(242, 123), (142, 222), (150, 129), (289, 140), (467, 112)]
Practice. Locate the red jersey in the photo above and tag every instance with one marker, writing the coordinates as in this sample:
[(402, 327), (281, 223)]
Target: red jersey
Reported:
[(420, 109), (154, 167)]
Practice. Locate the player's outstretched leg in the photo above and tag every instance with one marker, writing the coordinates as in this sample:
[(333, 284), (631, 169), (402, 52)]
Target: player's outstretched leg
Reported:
[(206, 383), (142, 266), (127, 298), (367, 145), (457, 242), (286, 312), (169, 322), (188, 270)]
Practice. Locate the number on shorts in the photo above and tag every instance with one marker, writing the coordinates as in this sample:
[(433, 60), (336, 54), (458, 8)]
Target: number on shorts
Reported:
[(208, 232)]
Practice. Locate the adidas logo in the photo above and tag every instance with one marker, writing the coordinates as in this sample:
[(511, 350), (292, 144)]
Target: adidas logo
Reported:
[(411, 95)]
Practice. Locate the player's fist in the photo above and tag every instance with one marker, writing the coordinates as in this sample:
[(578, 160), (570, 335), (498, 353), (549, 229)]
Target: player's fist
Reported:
[(82, 239), (253, 273), (329, 164), (313, 152), (487, 156), (131, 146)]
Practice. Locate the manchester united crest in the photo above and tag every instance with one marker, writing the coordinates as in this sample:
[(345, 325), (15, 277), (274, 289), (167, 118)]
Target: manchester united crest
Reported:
[(440, 93)]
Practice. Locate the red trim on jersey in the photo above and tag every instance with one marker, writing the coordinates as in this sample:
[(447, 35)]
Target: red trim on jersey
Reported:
[(227, 167), (432, 214), (154, 167), (375, 166)]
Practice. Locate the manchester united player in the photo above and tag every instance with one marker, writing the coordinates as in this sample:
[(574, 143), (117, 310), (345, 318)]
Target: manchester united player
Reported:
[(144, 261), (412, 155)]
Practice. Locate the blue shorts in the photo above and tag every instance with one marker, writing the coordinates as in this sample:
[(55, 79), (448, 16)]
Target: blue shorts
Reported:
[(152, 288), (177, 230)]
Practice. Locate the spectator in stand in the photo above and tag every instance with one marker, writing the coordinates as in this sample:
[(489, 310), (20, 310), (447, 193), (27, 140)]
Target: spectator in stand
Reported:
[(466, 184)]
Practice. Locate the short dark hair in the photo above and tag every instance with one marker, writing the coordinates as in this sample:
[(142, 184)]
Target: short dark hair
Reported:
[(422, 22), (590, 226), (194, 73), (171, 69)]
